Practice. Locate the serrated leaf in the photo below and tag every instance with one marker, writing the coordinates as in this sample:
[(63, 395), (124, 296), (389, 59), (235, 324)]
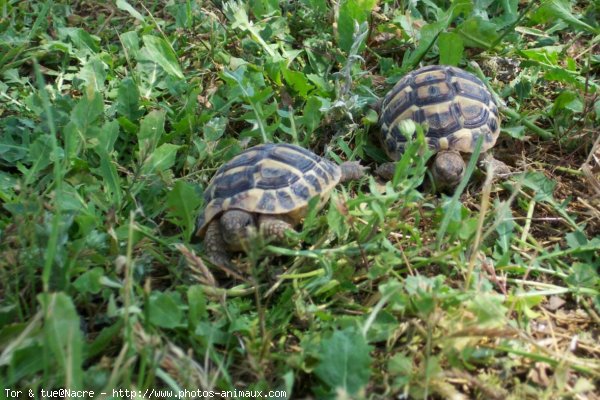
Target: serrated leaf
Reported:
[(182, 203), (345, 361), (298, 82), (39, 156), (63, 336), (583, 275), (451, 48), (560, 9), (161, 53), (161, 159), (567, 100), (542, 187), (477, 32)]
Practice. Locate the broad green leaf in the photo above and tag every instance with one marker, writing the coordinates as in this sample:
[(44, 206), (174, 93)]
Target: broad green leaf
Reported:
[(131, 43), (161, 159), (583, 275), (477, 32), (237, 14), (264, 8), (542, 187), (335, 220), (39, 156), (81, 39), (312, 114), (103, 340), (151, 130), (15, 138), (63, 336), (125, 6), (89, 281), (87, 111), (546, 55), (93, 73), (24, 362), (164, 310), (351, 11), (128, 100), (182, 203), (505, 225), (73, 140), (213, 130), (197, 305), (517, 132), (400, 365), (108, 136), (551, 10), (451, 48), (345, 361), (428, 35), (567, 100), (298, 82), (161, 53), (110, 177)]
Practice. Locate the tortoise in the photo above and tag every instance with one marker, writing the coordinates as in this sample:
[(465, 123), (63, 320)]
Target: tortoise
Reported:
[(456, 109), (265, 189)]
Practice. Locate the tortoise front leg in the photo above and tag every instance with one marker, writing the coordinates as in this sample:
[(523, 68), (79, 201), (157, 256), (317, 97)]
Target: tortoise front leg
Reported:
[(216, 249), (274, 227), (499, 168)]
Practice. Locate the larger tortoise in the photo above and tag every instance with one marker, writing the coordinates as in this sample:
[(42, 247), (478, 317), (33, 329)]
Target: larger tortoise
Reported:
[(456, 109), (265, 189)]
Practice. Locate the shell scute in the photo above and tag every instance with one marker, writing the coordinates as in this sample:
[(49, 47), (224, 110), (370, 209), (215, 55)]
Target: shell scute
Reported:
[(268, 179), (455, 105)]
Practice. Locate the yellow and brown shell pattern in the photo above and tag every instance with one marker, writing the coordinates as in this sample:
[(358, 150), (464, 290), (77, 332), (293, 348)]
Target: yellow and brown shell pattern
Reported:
[(455, 105), (269, 179)]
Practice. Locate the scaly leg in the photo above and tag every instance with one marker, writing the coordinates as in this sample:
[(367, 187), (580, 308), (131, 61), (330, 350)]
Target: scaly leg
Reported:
[(274, 227), (216, 249), (386, 170)]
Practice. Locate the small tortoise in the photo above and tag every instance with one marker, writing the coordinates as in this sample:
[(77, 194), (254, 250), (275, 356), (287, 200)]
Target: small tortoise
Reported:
[(265, 189), (456, 109)]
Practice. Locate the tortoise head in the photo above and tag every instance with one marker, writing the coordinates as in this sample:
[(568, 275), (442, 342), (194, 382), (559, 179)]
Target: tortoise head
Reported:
[(448, 170), (237, 227)]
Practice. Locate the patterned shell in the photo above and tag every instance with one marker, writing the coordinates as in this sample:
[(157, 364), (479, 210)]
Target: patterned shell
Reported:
[(269, 179), (455, 104)]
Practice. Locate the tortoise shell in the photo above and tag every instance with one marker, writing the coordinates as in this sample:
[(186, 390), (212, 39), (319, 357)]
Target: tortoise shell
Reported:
[(269, 179), (455, 105)]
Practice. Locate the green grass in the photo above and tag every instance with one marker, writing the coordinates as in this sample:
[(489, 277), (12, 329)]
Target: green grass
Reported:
[(113, 118)]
